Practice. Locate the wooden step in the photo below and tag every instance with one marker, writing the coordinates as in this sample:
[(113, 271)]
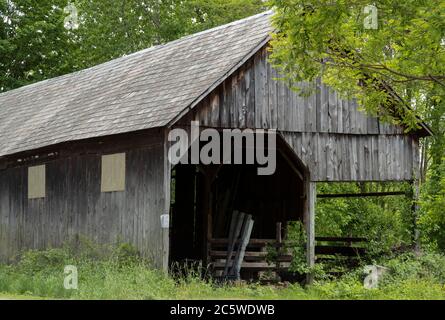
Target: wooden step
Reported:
[(249, 255), (223, 254)]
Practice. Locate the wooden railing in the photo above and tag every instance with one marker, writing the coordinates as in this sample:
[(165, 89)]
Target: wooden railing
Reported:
[(255, 259), (338, 246)]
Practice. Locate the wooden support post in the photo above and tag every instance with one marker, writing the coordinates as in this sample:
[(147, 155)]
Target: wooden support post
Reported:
[(165, 216), (416, 192), (415, 211), (209, 174), (309, 222), (207, 219), (279, 241), (278, 232)]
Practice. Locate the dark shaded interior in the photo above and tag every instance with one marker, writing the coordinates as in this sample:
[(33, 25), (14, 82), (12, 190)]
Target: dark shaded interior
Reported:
[(204, 197)]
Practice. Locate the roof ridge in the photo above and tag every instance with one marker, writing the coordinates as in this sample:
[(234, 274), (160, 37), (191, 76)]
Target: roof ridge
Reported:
[(126, 56), (122, 95), (187, 37)]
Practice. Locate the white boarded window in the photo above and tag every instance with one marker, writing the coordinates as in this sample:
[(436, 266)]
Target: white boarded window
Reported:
[(36, 182), (113, 173)]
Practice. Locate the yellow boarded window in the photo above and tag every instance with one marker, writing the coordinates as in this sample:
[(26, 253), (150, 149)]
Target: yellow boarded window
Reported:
[(36, 182), (113, 172)]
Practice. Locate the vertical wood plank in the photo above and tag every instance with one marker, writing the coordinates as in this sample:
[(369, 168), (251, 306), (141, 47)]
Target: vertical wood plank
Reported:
[(324, 109), (346, 117), (251, 106), (332, 111), (354, 159), (300, 109), (323, 156), (339, 114), (330, 165), (260, 77), (273, 97), (318, 111), (309, 222)]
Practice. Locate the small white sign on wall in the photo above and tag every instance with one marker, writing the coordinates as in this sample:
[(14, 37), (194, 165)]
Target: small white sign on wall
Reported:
[(165, 221)]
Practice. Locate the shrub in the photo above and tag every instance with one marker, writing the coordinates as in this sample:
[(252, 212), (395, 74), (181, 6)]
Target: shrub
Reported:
[(118, 272)]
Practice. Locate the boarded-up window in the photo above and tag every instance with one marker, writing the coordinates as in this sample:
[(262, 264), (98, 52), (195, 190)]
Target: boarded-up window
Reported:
[(36, 182), (113, 172)]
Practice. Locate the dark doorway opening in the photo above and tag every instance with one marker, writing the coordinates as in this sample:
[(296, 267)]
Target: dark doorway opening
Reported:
[(205, 197)]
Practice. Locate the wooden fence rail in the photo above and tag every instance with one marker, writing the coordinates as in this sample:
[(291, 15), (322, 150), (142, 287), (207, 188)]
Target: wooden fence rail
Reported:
[(255, 258)]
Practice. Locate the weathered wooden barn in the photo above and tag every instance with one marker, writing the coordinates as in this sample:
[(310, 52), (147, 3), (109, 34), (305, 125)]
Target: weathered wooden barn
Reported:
[(86, 153)]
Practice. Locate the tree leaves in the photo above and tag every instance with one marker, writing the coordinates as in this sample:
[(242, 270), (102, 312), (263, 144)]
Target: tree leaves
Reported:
[(329, 39), (34, 44)]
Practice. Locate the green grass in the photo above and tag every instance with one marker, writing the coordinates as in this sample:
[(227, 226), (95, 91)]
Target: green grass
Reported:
[(117, 273), (18, 297)]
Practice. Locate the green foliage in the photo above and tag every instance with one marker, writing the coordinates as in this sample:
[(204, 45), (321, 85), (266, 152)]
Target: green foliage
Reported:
[(40, 274), (34, 44), (386, 221), (34, 261), (330, 39), (316, 38), (409, 277), (432, 219), (429, 266), (295, 244), (105, 271), (404, 54)]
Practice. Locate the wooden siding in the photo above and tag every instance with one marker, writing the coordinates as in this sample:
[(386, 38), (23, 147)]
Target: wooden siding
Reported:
[(75, 206), (254, 98), (351, 146), (335, 157)]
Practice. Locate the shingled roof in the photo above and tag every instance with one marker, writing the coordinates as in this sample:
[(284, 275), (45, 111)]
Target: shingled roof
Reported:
[(140, 91)]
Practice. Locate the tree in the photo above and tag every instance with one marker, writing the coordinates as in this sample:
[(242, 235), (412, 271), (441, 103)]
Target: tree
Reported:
[(107, 32), (390, 56), (387, 55), (35, 45)]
